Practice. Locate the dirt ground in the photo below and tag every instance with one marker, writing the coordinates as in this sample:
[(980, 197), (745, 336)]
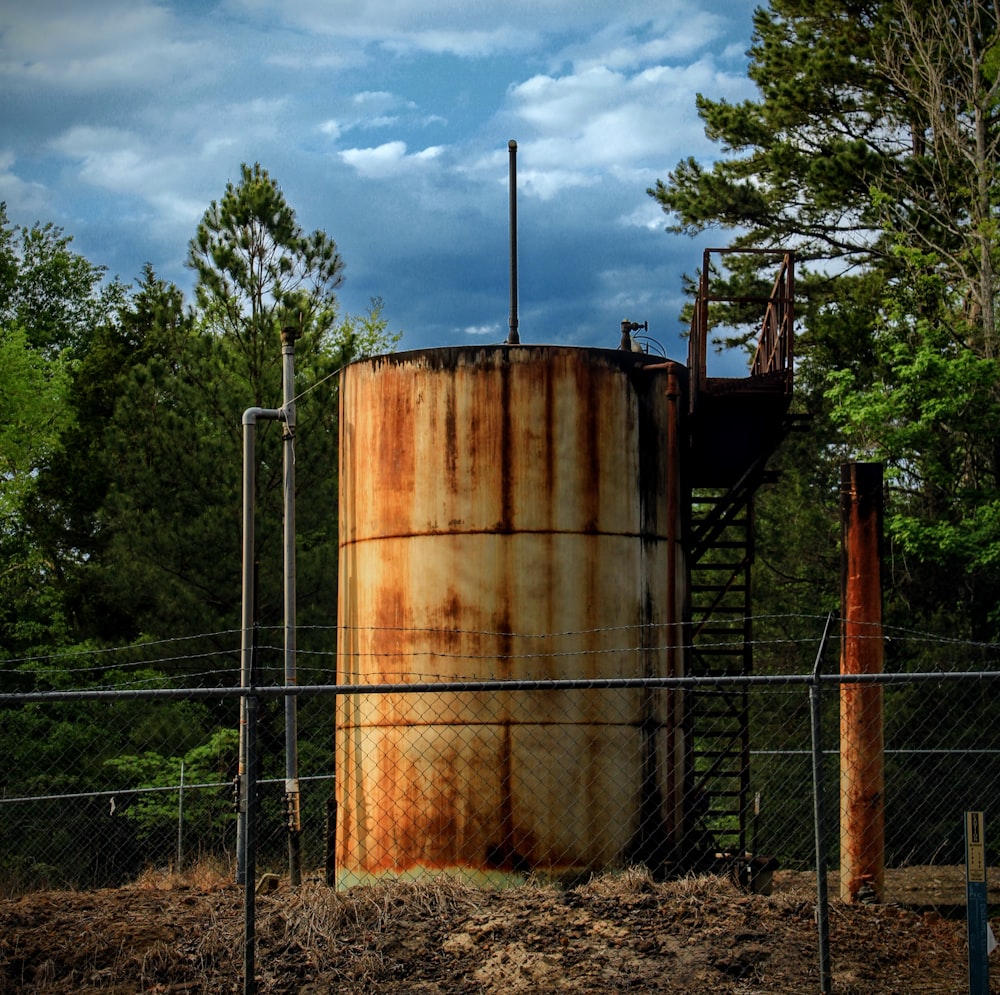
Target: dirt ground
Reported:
[(620, 933)]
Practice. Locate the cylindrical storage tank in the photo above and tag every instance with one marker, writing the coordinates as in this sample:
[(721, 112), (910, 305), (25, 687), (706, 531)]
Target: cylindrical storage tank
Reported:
[(509, 512)]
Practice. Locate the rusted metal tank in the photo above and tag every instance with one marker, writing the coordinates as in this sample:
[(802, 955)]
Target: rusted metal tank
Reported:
[(509, 512)]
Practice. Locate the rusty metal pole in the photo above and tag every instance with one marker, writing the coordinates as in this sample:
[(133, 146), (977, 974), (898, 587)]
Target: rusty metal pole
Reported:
[(862, 774)]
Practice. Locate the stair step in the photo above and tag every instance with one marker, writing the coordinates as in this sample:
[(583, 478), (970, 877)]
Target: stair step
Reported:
[(719, 591)]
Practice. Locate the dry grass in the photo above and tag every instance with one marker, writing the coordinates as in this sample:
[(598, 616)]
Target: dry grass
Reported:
[(208, 874), (620, 932)]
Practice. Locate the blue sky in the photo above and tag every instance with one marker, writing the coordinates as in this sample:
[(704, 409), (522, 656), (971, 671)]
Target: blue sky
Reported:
[(386, 124)]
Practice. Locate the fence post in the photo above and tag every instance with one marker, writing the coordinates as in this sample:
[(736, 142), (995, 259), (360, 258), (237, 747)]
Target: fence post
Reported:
[(977, 920), (249, 828), (293, 803), (819, 818), (180, 822)]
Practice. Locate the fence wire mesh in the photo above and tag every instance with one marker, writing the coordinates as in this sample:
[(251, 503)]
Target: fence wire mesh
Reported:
[(552, 778)]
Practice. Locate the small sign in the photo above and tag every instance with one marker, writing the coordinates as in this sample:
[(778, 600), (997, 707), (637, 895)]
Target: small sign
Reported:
[(976, 847), (976, 910)]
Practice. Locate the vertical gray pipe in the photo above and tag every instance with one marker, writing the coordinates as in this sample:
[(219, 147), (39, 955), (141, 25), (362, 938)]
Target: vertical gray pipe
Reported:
[(250, 418), (512, 336), (292, 797)]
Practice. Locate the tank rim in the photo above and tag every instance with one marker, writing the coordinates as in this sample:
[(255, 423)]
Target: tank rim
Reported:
[(449, 355)]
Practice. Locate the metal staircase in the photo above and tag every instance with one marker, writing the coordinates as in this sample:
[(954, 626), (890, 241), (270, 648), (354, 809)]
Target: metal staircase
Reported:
[(735, 425), (721, 645)]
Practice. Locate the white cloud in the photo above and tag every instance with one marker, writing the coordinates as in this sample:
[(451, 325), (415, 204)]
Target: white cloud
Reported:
[(307, 58), (377, 101), (128, 116), (548, 183), (381, 121), (149, 162), (23, 197), (131, 167), (627, 44), (648, 215), (473, 28), (112, 158), (383, 160), (468, 44), (374, 109), (81, 47), (437, 26), (388, 159), (482, 331), (578, 128)]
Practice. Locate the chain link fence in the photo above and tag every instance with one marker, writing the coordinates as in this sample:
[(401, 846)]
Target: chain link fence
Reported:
[(492, 780)]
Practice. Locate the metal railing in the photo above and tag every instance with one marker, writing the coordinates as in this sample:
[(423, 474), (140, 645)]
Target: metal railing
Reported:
[(775, 341)]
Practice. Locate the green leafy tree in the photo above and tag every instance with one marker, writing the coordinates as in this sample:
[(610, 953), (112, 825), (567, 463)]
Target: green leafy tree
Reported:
[(34, 413), (59, 749), (122, 505), (56, 295), (799, 161), (873, 119), (50, 299), (872, 151), (207, 769), (257, 270), (138, 512)]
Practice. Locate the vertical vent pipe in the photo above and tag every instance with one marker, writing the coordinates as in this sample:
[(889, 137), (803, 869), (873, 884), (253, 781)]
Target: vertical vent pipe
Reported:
[(512, 336), (245, 772)]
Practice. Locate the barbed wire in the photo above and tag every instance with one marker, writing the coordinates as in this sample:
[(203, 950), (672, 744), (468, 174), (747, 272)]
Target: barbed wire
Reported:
[(84, 660), (151, 789), (885, 631), (69, 653)]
